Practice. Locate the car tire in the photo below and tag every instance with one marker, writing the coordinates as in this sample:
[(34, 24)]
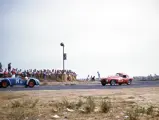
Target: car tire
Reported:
[(120, 83), (31, 83), (112, 82), (103, 83), (129, 82), (4, 84)]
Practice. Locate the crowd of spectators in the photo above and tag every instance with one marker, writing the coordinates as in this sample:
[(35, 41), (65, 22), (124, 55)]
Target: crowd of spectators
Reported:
[(45, 74), (149, 77)]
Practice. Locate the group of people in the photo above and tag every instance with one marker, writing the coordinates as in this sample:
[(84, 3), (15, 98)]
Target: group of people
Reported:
[(40, 74), (149, 77), (92, 78)]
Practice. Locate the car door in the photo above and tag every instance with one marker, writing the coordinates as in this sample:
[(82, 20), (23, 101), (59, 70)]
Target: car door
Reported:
[(17, 81), (12, 81), (20, 81), (124, 78)]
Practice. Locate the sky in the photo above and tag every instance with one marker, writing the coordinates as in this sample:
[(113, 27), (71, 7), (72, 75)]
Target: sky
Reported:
[(108, 36)]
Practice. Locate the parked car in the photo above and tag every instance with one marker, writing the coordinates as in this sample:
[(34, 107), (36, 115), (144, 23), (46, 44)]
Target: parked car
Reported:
[(30, 82), (117, 79)]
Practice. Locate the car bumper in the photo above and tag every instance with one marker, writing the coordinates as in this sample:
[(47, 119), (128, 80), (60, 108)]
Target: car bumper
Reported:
[(37, 83)]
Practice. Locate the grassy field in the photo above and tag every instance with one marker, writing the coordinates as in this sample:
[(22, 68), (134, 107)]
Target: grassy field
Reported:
[(115, 104)]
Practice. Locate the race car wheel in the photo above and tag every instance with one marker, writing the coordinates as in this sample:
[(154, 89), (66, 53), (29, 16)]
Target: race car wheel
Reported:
[(120, 83), (103, 83), (4, 84), (129, 82), (31, 84), (112, 82)]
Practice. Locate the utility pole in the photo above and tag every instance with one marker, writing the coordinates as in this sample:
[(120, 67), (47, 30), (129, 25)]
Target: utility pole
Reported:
[(63, 58)]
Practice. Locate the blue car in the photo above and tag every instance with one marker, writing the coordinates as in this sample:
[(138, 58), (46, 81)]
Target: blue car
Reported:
[(30, 82)]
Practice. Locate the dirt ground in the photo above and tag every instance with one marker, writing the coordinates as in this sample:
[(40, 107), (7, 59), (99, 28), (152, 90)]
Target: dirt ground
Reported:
[(112, 104), (68, 82)]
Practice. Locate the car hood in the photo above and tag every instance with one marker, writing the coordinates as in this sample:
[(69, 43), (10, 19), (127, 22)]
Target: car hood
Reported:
[(114, 77), (33, 78)]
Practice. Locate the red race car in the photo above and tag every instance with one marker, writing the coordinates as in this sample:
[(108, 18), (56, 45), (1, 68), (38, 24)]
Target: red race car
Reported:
[(119, 78)]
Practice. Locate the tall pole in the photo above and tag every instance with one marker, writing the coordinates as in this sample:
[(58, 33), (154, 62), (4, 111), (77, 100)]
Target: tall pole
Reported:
[(63, 59)]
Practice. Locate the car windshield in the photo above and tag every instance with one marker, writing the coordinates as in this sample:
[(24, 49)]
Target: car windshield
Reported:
[(118, 74), (18, 76)]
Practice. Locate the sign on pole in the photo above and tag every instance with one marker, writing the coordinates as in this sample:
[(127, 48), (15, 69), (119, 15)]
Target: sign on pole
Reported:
[(65, 56)]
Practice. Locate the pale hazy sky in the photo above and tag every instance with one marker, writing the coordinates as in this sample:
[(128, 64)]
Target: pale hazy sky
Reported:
[(108, 36)]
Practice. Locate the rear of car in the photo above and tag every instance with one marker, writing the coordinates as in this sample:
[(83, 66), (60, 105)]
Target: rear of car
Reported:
[(4, 82)]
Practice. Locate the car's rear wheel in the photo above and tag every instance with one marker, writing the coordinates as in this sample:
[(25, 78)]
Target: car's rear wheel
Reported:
[(4, 84), (112, 82), (103, 83), (129, 82), (31, 84)]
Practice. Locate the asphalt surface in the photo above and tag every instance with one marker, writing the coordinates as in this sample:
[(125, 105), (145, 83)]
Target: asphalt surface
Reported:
[(95, 85)]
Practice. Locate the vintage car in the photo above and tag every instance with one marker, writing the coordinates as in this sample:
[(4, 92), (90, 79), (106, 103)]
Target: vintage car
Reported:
[(30, 82), (117, 79)]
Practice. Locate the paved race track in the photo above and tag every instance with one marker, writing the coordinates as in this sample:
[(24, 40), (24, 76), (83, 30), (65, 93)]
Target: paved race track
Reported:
[(96, 85)]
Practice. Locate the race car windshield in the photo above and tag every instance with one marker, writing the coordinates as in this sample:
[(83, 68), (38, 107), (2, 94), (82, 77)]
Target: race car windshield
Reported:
[(118, 74)]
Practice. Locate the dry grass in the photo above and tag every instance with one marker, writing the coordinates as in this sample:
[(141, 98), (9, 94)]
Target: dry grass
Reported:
[(79, 103), (150, 110), (20, 110), (11, 95), (89, 105), (30, 103), (105, 106), (110, 106), (137, 112), (67, 104), (134, 113)]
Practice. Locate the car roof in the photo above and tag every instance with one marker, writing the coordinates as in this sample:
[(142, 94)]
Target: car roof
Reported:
[(122, 73)]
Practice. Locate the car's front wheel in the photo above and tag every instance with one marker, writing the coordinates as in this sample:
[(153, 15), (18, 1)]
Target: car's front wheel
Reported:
[(31, 84), (129, 82), (112, 82)]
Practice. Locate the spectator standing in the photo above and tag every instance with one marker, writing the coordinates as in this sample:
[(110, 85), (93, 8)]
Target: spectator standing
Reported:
[(44, 75), (9, 67), (5, 73), (87, 78), (0, 65), (13, 73), (1, 70)]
